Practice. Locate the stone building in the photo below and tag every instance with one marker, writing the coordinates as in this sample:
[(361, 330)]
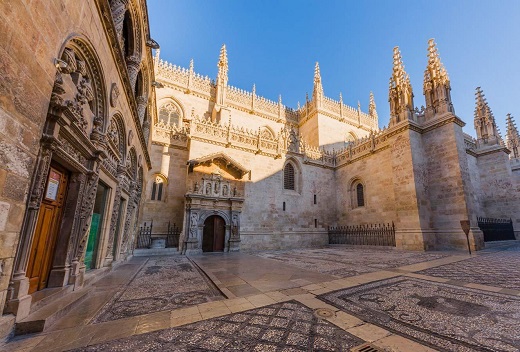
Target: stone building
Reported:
[(75, 111), (239, 171), (90, 151)]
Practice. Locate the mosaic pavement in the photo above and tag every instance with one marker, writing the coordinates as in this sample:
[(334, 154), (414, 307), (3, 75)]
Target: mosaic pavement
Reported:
[(501, 269), (287, 327), (446, 317), (164, 283), (348, 261)]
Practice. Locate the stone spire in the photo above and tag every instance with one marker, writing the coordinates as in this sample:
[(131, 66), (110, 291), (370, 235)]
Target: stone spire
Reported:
[(485, 125), (222, 76), (372, 106), (436, 87), (512, 137), (400, 94), (317, 93)]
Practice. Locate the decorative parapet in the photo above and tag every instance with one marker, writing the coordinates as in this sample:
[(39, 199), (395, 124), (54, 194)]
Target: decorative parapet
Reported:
[(185, 79), (469, 142), (170, 135)]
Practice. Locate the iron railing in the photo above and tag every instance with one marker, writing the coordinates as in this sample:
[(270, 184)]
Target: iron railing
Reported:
[(172, 234), (496, 229), (369, 235), (144, 239)]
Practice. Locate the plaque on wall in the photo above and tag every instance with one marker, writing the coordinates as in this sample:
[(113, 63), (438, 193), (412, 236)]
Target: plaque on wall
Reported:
[(53, 184)]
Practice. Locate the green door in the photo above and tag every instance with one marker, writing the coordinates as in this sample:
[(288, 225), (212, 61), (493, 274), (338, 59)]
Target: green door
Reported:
[(96, 225)]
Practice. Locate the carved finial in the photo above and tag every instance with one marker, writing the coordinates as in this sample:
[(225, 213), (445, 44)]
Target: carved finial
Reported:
[(436, 85), (340, 98), (358, 106), (484, 121), (298, 106), (191, 65), (512, 137), (372, 106), (223, 63), (254, 89), (317, 92), (400, 93), (280, 99)]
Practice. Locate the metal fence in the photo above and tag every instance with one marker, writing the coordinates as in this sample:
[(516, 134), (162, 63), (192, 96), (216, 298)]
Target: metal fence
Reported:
[(496, 229), (172, 234), (371, 235)]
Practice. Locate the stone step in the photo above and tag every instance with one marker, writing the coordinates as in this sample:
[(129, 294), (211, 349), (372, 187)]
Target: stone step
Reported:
[(47, 296), (47, 315), (155, 251)]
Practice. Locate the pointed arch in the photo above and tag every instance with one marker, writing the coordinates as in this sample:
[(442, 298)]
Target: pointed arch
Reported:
[(292, 176), (357, 190), (116, 134), (84, 66), (170, 110)]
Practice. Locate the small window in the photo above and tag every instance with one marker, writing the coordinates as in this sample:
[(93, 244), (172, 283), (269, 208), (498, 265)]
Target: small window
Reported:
[(288, 177), (315, 222), (314, 199), (283, 206), (360, 195), (157, 188)]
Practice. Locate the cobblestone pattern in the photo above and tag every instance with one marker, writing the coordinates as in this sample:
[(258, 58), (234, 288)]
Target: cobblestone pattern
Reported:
[(164, 283), (446, 317), (346, 262), (501, 269), (287, 327)]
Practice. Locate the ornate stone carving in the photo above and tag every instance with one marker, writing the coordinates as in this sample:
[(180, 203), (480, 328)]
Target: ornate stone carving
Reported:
[(114, 95), (133, 63), (118, 9)]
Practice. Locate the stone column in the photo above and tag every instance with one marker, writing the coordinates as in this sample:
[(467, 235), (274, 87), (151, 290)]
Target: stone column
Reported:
[(133, 64), (146, 130), (81, 233), (129, 217), (114, 219), (118, 9), (19, 302), (142, 102)]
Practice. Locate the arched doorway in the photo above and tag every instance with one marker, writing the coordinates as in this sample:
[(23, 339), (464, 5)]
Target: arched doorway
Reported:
[(214, 234)]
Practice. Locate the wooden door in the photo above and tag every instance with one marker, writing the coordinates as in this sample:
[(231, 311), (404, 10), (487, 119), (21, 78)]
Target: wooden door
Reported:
[(47, 227), (219, 234), (213, 236)]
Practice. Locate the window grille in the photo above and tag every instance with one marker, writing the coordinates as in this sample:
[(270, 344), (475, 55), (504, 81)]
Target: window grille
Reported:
[(157, 189), (288, 177), (360, 195), (169, 114)]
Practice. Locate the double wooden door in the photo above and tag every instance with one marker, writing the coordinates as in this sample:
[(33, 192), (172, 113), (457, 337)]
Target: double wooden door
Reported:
[(214, 234), (47, 228)]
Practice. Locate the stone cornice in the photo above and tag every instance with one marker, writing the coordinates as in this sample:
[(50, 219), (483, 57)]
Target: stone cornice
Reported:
[(117, 54)]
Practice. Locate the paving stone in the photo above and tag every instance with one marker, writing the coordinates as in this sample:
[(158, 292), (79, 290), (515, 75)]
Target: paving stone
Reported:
[(347, 262), (163, 283), (443, 316), (288, 326), (500, 269)]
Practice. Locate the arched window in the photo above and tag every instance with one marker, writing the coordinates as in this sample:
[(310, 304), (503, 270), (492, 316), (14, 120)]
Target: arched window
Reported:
[(288, 177), (357, 192), (360, 196), (169, 114), (157, 189)]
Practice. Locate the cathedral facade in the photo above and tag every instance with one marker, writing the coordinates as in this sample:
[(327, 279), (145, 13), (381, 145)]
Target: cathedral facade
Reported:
[(99, 138), (277, 177)]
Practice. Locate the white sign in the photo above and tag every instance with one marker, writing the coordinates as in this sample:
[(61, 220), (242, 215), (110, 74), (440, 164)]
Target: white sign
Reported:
[(53, 185)]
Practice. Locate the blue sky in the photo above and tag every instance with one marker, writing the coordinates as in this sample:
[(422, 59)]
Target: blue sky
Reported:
[(275, 44)]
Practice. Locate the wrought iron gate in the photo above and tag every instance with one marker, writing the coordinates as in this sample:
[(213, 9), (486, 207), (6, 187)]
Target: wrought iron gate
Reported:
[(144, 240), (496, 229), (372, 235)]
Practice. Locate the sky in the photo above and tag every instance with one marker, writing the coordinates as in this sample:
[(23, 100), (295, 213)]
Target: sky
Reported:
[(275, 44)]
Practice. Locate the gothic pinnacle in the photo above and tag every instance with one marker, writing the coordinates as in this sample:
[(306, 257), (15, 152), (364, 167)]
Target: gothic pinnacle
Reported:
[(372, 106), (435, 71), (318, 88)]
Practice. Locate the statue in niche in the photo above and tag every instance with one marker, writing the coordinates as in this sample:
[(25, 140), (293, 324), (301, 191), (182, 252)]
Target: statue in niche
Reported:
[(217, 187), (208, 188), (196, 187), (193, 225), (225, 190), (234, 226)]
